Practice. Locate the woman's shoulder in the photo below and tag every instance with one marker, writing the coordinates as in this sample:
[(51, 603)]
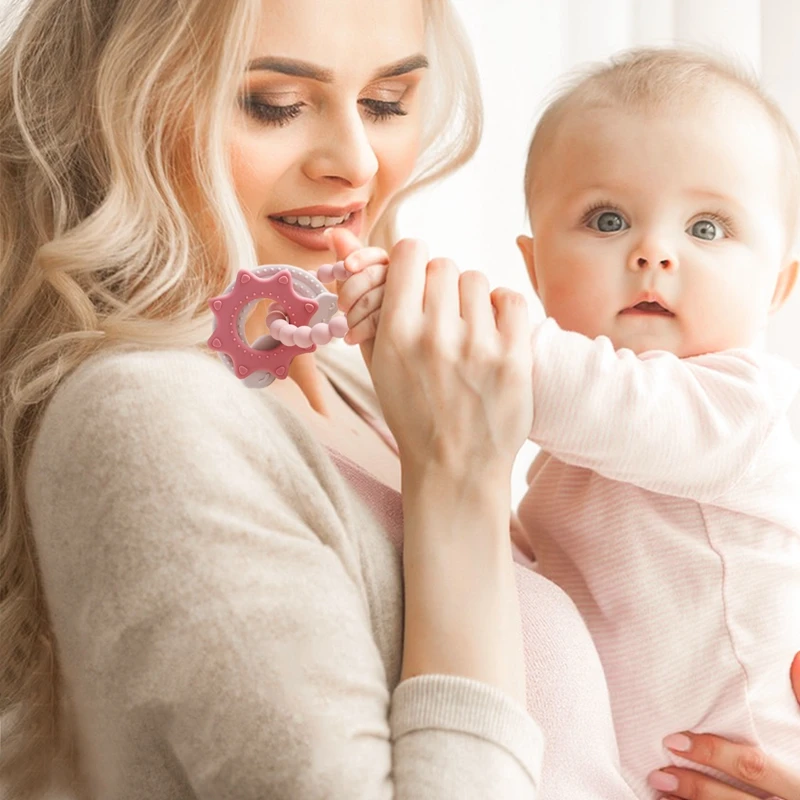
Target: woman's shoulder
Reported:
[(138, 391), (154, 378), (145, 412)]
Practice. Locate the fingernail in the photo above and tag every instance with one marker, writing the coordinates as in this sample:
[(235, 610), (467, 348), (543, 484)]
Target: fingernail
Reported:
[(679, 742), (662, 781)]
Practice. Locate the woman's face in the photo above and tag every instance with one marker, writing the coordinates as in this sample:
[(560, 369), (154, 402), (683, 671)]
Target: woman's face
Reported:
[(328, 121)]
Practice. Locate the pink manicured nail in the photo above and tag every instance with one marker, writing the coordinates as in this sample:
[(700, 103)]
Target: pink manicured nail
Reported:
[(679, 742), (662, 781)]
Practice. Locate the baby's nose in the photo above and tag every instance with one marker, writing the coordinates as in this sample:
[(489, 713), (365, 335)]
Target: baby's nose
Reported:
[(664, 263)]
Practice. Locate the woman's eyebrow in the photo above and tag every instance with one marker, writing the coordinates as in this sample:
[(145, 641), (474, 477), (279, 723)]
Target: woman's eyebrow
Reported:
[(403, 66), (304, 69)]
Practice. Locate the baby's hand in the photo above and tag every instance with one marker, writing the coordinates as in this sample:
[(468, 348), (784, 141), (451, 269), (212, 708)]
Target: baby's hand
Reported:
[(361, 295)]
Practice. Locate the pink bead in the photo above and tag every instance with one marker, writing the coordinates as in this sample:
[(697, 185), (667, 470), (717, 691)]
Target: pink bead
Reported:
[(274, 316), (276, 327), (320, 333), (302, 336), (339, 271), (325, 273), (287, 334), (338, 326)]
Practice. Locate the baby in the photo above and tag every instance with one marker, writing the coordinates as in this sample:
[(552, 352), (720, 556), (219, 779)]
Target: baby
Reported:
[(663, 195)]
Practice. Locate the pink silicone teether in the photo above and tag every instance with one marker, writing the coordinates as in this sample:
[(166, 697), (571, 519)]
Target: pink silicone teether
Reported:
[(301, 319), (327, 273)]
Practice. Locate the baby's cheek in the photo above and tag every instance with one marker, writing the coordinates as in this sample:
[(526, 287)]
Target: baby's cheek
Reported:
[(572, 307)]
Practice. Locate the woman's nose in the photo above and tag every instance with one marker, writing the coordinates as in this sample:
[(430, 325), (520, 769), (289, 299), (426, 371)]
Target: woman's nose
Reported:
[(344, 153)]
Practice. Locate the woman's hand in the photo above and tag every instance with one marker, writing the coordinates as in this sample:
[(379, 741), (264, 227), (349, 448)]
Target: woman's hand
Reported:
[(454, 365), (451, 364), (748, 765)]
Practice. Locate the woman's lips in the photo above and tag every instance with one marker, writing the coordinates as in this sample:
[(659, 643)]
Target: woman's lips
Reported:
[(312, 238)]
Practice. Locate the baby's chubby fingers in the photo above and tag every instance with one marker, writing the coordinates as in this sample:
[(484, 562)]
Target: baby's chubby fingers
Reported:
[(342, 242), (360, 296), (365, 257), (362, 319), (349, 250), (369, 276)]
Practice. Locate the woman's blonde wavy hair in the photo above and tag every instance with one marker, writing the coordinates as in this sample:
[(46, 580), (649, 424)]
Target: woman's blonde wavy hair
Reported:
[(107, 108)]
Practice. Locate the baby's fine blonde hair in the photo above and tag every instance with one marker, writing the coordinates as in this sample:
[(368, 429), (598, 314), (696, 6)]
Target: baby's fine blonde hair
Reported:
[(113, 170), (655, 78)]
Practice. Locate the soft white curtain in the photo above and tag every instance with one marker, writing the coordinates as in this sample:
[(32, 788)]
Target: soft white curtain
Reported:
[(522, 46)]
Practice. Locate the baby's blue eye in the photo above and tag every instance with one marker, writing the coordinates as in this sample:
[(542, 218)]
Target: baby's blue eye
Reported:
[(609, 222), (707, 230)]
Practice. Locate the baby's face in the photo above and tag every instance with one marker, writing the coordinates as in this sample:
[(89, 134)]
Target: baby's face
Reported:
[(661, 230)]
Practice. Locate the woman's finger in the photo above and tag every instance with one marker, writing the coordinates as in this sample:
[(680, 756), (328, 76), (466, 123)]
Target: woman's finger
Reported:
[(442, 305), (476, 305), (689, 785), (746, 764), (405, 283)]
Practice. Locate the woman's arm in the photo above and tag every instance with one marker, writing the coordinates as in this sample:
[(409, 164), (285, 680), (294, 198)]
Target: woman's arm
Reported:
[(211, 612), (451, 363), (744, 763)]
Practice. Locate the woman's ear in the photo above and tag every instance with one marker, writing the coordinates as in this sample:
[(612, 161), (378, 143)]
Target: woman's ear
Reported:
[(787, 278), (525, 244)]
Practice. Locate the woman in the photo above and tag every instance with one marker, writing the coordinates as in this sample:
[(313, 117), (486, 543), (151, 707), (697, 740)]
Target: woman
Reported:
[(202, 583)]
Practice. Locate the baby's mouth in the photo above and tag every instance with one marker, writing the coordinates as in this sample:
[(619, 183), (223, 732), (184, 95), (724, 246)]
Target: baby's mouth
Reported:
[(648, 307)]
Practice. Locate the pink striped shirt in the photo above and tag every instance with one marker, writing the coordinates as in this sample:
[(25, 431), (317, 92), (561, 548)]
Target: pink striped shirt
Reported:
[(567, 694), (666, 503)]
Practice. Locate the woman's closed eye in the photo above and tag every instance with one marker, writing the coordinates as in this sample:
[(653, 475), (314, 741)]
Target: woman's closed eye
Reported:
[(271, 111), (382, 109)]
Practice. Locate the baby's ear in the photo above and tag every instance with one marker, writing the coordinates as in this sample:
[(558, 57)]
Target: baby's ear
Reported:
[(525, 244), (787, 278)]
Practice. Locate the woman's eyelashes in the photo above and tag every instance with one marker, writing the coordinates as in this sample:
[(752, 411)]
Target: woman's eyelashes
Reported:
[(269, 113), (262, 110), (382, 109)]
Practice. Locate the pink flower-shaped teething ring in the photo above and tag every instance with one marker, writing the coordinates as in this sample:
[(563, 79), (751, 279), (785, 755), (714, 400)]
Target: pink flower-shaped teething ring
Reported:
[(300, 318)]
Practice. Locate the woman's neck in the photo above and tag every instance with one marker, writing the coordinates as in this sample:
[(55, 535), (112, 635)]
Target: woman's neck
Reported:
[(310, 380)]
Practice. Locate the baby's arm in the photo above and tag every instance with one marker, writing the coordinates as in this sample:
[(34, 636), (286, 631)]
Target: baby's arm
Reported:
[(687, 427)]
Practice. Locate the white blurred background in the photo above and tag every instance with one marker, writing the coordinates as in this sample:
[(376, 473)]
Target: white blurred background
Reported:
[(522, 46)]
